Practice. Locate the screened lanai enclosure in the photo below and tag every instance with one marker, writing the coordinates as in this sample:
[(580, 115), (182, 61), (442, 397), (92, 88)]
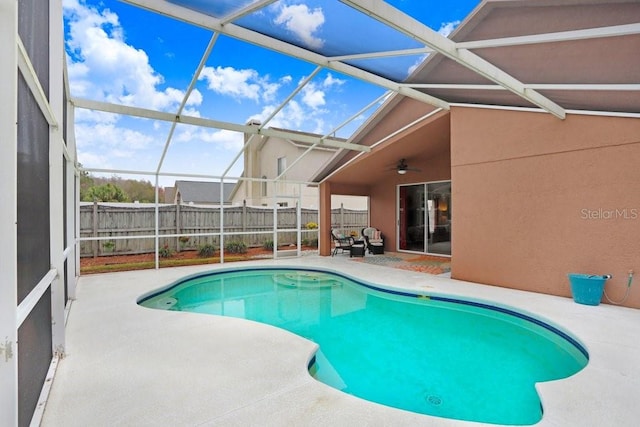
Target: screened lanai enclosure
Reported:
[(56, 127)]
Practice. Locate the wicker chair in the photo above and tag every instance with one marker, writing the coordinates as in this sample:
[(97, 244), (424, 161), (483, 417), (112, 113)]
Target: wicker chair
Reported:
[(340, 242), (374, 240)]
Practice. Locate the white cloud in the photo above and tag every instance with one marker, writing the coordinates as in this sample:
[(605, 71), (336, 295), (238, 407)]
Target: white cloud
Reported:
[(245, 83), (91, 116), (102, 66), (303, 23), (229, 81), (306, 111), (445, 29), (312, 96), (331, 81), (293, 116), (229, 140), (416, 64), (191, 112), (92, 160), (320, 126), (104, 146), (103, 136), (269, 91), (195, 98)]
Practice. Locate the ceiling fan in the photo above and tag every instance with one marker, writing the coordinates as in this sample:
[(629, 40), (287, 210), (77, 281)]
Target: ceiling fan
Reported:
[(402, 167)]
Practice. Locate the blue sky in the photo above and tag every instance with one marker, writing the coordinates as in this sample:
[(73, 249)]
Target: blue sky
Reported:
[(122, 54)]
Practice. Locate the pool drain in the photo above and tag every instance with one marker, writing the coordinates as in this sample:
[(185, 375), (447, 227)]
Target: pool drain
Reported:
[(434, 400)]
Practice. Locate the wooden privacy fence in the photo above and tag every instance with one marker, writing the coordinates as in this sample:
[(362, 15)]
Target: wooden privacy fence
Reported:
[(187, 227)]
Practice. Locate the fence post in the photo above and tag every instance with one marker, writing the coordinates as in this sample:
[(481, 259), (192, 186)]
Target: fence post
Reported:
[(342, 218), (178, 227), (94, 221), (244, 220)]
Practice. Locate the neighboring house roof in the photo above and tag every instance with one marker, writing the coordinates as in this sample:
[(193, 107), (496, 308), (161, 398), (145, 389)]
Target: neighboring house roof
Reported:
[(236, 187), (202, 191), (302, 144)]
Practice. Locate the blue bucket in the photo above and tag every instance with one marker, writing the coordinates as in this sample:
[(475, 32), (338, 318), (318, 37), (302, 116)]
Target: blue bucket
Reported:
[(587, 288)]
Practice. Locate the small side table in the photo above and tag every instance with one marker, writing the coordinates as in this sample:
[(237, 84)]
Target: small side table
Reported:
[(357, 248), (377, 249)]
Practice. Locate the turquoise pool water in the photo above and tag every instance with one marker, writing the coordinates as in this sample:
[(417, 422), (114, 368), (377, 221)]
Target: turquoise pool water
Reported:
[(433, 355)]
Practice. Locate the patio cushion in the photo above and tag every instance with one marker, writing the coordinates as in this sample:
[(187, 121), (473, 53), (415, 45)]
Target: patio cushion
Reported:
[(374, 240), (340, 242)]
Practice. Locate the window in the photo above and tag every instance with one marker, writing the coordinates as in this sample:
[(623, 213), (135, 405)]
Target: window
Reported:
[(264, 186), (282, 165)]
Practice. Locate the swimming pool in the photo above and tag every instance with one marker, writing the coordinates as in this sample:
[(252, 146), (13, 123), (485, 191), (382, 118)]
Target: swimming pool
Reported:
[(433, 354)]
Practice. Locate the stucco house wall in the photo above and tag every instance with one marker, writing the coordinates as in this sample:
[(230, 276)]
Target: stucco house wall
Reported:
[(536, 198)]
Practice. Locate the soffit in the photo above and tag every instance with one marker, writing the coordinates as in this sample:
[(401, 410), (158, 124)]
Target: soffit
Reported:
[(417, 145), (563, 64)]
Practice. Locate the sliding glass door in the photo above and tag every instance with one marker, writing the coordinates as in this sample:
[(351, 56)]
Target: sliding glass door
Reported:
[(412, 218), (424, 218)]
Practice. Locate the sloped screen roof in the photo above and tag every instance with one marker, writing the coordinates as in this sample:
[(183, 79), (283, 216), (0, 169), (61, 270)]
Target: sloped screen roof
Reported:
[(558, 57)]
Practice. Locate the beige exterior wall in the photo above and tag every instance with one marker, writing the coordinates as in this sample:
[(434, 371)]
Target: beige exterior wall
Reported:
[(261, 159), (535, 198)]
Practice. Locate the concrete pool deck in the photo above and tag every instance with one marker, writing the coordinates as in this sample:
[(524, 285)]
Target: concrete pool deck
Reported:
[(130, 365)]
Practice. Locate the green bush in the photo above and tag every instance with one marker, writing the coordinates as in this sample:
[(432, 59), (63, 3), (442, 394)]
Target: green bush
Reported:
[(207, 250), (235, 248), (165, 252), (311, 226), (310, 242), (268, 245)]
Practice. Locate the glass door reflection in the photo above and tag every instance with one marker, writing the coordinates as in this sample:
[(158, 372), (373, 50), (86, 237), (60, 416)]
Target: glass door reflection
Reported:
[(412, 217), (439, 203), (424, 218)]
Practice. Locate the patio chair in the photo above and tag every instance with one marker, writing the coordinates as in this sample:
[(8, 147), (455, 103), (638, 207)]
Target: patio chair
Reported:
[(340, 242), (373, 240)]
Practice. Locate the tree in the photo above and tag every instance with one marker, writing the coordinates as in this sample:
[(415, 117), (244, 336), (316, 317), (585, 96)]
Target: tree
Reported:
[(86, 182), (96, 188), (142, 191), (105, 193)]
